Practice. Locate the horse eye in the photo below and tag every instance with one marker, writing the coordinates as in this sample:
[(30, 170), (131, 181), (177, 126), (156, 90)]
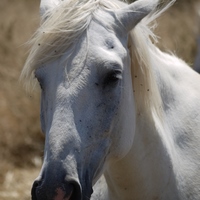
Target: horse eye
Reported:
[(113, 77)]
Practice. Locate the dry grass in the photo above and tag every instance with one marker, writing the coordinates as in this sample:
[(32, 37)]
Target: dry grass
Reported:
[(21, 143), (20, 154), (178, 29), (17, 183)]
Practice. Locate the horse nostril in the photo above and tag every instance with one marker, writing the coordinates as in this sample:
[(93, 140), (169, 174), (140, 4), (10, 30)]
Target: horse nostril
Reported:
[(73, 189), (34, 188)]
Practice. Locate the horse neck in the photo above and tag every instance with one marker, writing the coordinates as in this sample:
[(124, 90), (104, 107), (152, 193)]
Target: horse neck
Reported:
[(146, 171)]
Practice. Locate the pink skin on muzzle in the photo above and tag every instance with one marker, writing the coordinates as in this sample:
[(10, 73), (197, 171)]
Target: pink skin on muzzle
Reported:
[(61, 195)]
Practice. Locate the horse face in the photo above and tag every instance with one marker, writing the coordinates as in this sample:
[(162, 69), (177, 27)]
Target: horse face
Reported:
[(84, 114)]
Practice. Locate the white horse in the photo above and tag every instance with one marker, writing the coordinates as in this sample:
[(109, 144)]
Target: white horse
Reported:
[(121, 118)]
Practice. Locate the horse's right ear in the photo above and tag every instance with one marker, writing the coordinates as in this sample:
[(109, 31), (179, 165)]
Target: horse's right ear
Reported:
[(46, 5)]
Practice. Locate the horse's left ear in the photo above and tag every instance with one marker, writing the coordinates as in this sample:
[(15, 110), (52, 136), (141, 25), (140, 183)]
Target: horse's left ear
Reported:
[(132, 14)]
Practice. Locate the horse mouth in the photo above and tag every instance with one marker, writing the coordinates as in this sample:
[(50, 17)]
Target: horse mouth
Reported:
[(72, 194), (61, 194)]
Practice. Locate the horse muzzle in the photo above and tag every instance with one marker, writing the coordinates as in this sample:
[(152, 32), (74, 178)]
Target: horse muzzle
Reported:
[(67, 190)]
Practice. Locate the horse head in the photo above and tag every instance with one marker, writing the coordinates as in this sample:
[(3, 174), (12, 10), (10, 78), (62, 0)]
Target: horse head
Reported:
[(86, 94)]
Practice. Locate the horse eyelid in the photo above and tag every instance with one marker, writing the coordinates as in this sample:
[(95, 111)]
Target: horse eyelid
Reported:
[(116, 73), (113, 76)]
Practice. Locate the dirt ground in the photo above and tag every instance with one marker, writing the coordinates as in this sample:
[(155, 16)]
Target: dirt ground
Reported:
[(21, 143)]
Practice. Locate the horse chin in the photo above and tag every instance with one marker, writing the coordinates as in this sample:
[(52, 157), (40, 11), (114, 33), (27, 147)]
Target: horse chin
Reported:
[(86, 188), (86, 193)]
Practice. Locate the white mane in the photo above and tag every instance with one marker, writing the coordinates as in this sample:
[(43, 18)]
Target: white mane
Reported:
[(64, 25)]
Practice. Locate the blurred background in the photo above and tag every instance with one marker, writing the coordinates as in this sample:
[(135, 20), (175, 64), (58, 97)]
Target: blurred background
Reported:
[(21, 142)]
